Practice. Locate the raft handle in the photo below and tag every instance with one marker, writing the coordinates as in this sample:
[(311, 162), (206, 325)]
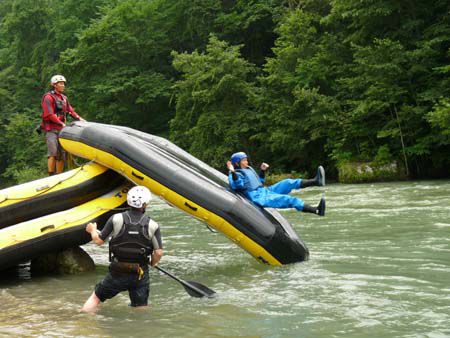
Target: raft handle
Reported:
[(136, 175), (43, 188), (47, 227), (190, 206)]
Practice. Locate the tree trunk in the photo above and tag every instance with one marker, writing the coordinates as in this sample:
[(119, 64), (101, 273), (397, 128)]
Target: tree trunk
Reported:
[(402, 141)]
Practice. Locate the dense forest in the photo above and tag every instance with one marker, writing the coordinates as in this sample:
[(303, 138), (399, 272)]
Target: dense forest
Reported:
[(294, 83)]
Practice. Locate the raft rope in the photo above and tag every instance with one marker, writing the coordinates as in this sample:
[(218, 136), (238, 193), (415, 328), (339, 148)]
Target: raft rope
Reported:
[(18, 239), (92, 213), (6, 198)]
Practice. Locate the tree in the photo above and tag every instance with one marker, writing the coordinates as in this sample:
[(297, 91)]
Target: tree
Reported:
[(249, 23), (214, 112), (296, 100)]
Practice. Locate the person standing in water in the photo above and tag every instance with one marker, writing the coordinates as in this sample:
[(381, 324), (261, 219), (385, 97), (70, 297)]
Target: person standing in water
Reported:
[(243, 178), (135, 244)]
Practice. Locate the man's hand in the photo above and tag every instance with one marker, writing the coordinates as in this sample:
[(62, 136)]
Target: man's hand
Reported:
[(264, 166), (82, 119), (91, 227), (155, 257), (230, 166)]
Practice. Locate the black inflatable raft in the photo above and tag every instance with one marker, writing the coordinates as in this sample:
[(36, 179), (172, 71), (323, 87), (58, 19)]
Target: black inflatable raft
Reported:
[(190, 185)]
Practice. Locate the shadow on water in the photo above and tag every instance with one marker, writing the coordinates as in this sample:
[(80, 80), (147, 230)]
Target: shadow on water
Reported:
[(14, 275)]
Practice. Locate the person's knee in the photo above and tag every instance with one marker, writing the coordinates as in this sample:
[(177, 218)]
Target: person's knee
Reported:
[(292, 183)]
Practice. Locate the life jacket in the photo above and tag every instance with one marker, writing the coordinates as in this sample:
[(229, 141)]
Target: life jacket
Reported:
[(58, 105), (133, 242), (252, 180)]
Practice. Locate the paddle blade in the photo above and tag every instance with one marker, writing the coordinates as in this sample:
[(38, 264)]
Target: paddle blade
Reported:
[(198, 290)]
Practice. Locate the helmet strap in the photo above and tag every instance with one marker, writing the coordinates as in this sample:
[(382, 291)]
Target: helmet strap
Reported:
[(141, 209)]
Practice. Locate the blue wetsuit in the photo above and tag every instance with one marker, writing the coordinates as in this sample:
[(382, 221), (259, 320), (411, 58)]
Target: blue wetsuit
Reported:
[(275, 196)]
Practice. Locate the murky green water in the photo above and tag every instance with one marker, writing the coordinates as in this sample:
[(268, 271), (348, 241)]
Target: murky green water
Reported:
[(379, 267)]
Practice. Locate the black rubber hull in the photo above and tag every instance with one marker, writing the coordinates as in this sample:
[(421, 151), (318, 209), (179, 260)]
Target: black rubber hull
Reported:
[(52, 242)]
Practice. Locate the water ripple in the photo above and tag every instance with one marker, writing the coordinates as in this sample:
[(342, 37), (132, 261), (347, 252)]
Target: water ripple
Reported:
[(379, 267)]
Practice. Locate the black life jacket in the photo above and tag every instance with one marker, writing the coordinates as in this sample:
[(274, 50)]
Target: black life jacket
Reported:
[(132, 244)]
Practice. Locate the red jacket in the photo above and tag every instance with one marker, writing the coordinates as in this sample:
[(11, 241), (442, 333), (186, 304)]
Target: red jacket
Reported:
[(54, 109)]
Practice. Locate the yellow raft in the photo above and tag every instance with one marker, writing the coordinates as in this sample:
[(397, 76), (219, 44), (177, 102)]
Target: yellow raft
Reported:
[(55, 193), (58, 231)]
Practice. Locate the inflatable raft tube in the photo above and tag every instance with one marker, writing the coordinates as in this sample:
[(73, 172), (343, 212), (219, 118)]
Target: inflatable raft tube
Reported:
[(211, 173), (267, 237), (58, 231), (55, 193)]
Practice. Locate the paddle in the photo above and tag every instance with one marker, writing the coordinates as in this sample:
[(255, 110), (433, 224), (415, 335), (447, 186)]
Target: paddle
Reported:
[(194, 289)]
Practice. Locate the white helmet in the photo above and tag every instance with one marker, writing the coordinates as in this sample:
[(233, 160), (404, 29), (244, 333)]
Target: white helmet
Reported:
[(138, 195), (57, 78)]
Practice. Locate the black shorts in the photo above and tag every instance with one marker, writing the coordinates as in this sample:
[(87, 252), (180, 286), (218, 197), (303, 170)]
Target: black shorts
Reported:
[(138, 289)]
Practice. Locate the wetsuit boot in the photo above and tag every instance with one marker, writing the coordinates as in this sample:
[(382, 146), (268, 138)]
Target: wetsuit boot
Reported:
[(319, 210), (319, 180)]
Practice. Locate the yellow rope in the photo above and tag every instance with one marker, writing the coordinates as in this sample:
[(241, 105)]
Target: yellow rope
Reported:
[(46, 189)]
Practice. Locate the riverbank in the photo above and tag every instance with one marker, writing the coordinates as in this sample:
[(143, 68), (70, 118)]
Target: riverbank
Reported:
[(353, 172)]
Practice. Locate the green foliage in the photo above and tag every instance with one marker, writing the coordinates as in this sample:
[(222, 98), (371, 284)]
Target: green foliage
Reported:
[(295, 101), (33, 33), (26, 149), (214, 102), (440, 116), (249, 23), (383, 156), (294, 83)]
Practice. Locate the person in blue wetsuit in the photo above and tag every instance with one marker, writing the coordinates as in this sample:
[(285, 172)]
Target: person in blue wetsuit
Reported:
[(243, 178)]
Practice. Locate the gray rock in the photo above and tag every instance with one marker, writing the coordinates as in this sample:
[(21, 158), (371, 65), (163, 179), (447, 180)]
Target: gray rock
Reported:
[(361, 172), (70, 261)]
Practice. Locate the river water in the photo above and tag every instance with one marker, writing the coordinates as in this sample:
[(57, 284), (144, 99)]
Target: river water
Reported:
[(379, 267)]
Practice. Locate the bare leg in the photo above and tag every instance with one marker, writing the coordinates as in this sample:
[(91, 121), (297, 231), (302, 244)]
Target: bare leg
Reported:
[(59, 166), (51, 162), (91, 304), (141, 307)]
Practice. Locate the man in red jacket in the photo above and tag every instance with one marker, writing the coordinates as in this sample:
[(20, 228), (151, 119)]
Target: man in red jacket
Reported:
[(55, 108)]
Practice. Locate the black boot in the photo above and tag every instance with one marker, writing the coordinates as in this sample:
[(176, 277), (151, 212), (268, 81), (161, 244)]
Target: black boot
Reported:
[(319, 210), (319, 180), (321, 207)]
